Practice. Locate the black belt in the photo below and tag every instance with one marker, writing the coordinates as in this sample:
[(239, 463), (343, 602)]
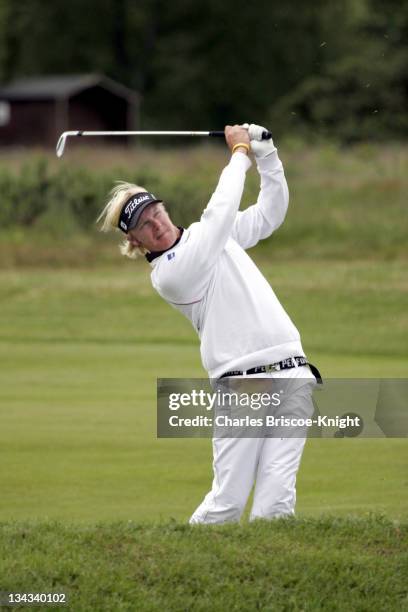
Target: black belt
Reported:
[(285, 364)]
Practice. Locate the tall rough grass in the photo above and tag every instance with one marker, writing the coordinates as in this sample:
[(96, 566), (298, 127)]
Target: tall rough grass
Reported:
[(345, 203), (311, 564)]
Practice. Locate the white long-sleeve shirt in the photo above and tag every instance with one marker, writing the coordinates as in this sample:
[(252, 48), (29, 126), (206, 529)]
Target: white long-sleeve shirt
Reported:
[(209, 277)]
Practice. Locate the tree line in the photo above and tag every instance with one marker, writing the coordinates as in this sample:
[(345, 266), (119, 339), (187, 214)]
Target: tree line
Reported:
[(327, 69)]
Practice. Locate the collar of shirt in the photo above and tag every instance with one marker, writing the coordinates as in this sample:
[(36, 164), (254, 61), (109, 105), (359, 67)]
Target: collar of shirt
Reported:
[(154, 254)]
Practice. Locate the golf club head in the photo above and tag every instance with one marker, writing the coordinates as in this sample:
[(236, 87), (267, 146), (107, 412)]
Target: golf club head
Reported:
[(62, 142)]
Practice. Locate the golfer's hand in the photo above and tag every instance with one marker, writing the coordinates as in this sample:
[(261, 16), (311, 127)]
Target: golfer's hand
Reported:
[(235, 134), (260, 148)]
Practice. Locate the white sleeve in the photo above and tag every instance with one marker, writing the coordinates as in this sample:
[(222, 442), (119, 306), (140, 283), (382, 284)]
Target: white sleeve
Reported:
[(186, 277), (260, 220)]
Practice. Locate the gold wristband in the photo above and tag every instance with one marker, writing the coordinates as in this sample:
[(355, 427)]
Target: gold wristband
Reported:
[(240, 144)]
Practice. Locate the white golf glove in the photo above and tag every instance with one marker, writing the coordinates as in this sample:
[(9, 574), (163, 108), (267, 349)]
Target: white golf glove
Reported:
[(261, 148)]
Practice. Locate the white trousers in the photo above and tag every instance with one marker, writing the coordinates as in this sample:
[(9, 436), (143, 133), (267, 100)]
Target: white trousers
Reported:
[(269, 462)]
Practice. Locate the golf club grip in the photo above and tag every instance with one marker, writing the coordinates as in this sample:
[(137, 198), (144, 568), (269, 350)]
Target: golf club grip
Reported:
[(265, 135)]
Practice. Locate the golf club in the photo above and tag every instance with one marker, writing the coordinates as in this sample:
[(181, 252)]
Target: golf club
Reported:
[(63, 138)]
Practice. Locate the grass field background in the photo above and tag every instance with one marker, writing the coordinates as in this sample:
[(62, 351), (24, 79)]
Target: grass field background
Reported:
[(81, 351)]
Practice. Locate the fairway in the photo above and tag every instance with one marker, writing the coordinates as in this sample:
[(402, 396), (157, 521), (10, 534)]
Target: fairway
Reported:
[(80, 353)]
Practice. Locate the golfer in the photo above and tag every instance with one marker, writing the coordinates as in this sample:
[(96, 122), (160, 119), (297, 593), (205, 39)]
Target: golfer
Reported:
[(205, 273)]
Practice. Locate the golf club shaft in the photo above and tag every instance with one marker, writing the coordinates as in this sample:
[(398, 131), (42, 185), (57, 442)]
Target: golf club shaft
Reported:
[(62, 140)]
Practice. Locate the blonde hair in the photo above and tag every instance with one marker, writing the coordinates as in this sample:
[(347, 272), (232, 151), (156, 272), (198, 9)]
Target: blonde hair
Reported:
[(111, 213)]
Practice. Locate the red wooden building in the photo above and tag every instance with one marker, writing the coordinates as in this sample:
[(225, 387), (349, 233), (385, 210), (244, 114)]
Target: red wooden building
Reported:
[(36, 110)]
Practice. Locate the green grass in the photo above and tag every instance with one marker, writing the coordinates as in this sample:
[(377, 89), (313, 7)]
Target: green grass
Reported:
[(81, 351), (288, 564)]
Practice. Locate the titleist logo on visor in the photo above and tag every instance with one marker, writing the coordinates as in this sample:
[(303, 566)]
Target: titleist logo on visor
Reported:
[(135, 202), (133, 208)]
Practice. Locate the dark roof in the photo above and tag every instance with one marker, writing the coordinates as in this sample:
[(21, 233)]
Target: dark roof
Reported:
[(62, 86)]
